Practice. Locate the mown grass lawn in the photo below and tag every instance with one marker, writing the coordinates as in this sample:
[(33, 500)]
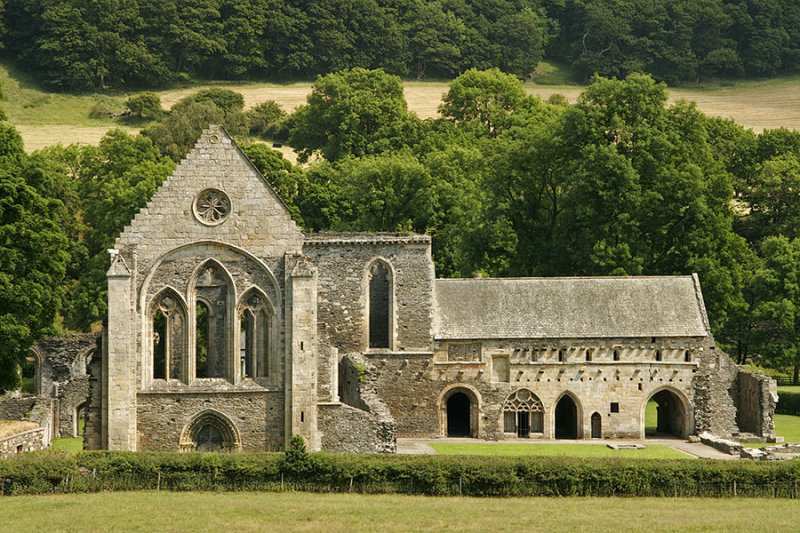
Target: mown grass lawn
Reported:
[(247, 511), (556, 450)]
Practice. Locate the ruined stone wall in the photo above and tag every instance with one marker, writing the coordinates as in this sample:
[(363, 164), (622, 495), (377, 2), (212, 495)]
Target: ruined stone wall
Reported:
[(258, 417), (14, 406), (92, 433), (27, 441), (716, 393), (756, 404), (71, 396), (361, 423)]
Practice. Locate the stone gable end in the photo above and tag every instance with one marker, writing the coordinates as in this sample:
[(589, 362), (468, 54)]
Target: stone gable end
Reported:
[(256, 219)]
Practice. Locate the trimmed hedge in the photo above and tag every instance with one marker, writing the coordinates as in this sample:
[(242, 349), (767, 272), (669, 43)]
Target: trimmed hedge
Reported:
[(788, 403), (47, 472)]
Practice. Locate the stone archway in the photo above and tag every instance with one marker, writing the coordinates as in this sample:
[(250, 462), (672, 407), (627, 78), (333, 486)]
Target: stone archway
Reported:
[(567, 418), (459, 412), (210, 431), (669, 415)]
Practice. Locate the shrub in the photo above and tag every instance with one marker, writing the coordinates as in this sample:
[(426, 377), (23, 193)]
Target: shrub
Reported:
[(224, 99), (145, 106), (446, 475), (788, 403)]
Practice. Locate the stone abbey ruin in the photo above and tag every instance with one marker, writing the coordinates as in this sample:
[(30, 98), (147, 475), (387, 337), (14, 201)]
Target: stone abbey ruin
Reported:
[(231, 329)]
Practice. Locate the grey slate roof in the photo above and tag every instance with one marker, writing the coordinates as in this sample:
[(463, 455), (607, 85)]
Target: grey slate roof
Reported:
[(665, 306)]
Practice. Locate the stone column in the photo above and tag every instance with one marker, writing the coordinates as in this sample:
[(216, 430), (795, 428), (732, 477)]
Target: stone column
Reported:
[(119, 366), (301, 360)]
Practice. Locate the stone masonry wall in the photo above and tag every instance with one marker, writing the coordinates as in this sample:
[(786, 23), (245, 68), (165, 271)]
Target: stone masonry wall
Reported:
[(756, 404), (92, 433), (415, 387), (716, 393), (343, 264), (363, 426), (258, 417), (26, 441)]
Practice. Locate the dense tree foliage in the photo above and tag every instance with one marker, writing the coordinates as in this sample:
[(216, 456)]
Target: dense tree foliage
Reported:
[(80, 45), (33, 257), (356, 112)]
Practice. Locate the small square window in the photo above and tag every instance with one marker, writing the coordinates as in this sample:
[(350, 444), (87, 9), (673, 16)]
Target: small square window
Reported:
[(615, 407)]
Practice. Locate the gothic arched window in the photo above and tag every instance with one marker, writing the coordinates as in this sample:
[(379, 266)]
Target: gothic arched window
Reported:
[(254, 328), (168, 320), (523, 414)]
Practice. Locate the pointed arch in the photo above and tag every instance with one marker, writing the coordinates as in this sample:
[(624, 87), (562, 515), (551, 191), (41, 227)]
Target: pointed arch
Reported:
[(258, 335), (31, 372), (167, 329), (378, 290), (523, 414), (211, 287), (567, 416), (210, 430)]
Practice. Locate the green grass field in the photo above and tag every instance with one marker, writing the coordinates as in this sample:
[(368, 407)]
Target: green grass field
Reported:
[(300, 512), (556, 450)]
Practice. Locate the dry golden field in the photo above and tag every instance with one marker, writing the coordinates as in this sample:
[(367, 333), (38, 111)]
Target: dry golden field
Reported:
[(44, 118)]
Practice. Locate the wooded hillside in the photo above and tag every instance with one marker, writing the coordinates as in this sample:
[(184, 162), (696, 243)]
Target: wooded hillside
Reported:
[(83, 45)]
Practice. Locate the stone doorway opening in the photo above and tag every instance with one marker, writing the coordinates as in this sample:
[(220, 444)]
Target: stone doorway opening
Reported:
[(597, 426), (566, 418), (665, 415), (458, 415)]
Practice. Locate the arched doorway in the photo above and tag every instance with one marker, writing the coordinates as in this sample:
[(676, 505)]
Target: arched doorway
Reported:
[(458, 415), (597, 426), (665, 414), (566, 418), (210, 431)]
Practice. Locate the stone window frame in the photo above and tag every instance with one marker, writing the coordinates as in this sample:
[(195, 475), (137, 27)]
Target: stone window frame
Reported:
[(273, 335), (514, 404), (271, 287), (365, 305), (231, 320), (196, 207), (232, 440), (152, 307)]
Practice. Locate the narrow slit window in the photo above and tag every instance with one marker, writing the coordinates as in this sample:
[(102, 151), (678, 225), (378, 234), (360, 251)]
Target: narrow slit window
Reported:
[(658, 355), (201, 341), (561, 357), (616, 355), (160, 340), (379, 305)]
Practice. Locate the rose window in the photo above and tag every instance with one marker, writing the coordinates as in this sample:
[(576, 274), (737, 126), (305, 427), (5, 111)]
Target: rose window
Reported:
[(212, 206)]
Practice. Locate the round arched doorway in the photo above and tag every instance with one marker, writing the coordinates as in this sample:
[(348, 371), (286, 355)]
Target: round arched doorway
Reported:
[(459, 411), (665, 414), (458, 415)]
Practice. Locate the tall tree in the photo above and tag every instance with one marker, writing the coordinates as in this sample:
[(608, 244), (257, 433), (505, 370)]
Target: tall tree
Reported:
[(776, 291), (32, 260), (355, 112)]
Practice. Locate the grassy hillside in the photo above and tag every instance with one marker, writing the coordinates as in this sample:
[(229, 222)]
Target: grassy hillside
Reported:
[(45, 118)]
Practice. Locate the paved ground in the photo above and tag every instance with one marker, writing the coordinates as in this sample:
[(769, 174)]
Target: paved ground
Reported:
[(698, 450)]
